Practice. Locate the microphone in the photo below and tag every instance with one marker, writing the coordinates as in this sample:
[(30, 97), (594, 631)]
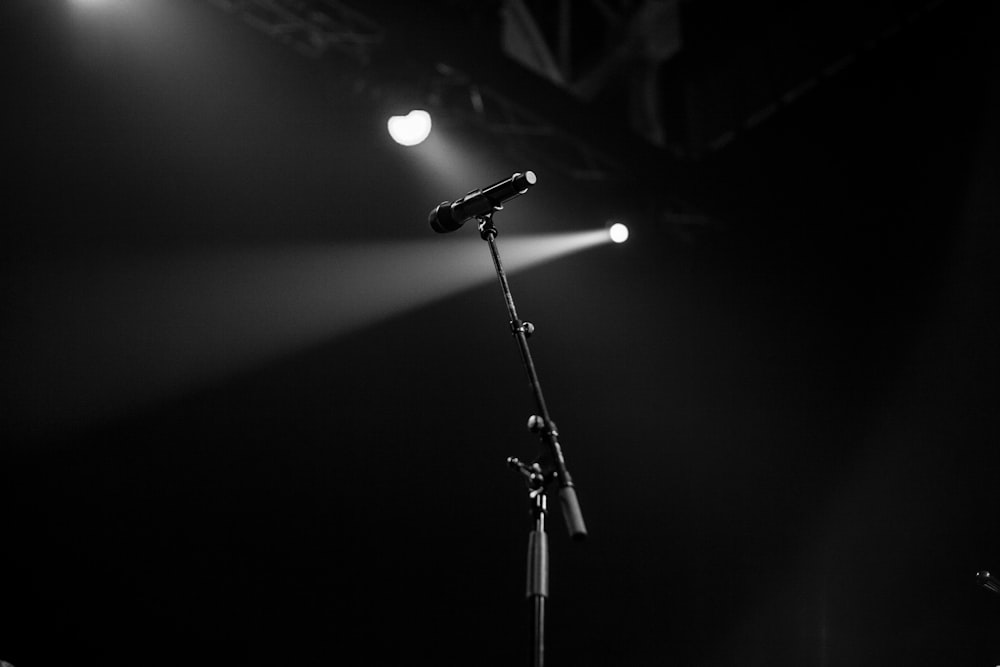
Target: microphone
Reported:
[(449, 216)]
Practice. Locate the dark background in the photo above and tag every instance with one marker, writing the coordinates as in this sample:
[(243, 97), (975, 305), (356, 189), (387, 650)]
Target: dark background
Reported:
[(783, 429)]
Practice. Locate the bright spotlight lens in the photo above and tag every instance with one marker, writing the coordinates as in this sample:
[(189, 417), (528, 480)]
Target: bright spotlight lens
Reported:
[(618, 233), (411, 129)]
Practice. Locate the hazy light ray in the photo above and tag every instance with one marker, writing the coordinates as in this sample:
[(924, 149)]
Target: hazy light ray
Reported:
[(130, 30), (96, 337), (449, 169)]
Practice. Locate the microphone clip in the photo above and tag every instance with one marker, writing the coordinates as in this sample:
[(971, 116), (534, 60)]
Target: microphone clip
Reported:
[(487, 230)]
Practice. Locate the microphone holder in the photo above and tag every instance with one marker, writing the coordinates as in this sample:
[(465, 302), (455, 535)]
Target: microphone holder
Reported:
[(549, 469)]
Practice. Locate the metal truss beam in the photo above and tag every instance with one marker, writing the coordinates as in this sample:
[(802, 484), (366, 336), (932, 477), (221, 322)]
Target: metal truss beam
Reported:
[(520, 129), (316, 27), (311, 27)]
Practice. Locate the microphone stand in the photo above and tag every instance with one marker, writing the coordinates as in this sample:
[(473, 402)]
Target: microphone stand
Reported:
[(538, 476)]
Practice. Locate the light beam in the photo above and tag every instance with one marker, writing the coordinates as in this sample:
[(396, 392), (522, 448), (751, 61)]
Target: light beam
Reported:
[(93, 337)]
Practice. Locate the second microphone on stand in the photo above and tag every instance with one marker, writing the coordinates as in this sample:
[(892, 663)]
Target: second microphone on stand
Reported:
[(449, 216)]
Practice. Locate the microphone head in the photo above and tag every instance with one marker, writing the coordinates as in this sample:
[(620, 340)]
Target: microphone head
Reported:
[(442, 218), (524, 181)]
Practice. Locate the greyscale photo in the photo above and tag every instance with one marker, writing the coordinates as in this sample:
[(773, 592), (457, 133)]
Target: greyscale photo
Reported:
[(626, 333)]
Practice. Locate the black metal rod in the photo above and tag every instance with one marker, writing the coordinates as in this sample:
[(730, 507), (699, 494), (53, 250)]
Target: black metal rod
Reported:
[(567, 493), (519, 330), (537, 588), (538, 632)]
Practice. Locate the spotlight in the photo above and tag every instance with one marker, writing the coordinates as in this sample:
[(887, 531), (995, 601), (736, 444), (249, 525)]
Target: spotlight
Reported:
[(618, 232), (411, 129)]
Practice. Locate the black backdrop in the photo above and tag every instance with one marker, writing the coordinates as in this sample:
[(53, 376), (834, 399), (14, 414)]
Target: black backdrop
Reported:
[(783, 434)]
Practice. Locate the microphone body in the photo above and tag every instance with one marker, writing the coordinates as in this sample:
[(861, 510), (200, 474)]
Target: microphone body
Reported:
[(449, 216)]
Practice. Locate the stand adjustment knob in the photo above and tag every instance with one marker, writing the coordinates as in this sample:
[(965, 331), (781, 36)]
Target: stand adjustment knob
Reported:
[(527, 328), (536, 424)]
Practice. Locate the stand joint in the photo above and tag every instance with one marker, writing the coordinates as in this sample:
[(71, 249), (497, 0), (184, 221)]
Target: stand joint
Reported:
[(487, 230), (534, 476), (519, 327)]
